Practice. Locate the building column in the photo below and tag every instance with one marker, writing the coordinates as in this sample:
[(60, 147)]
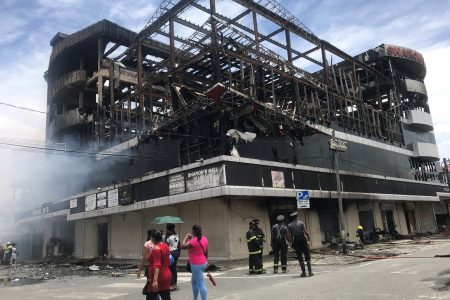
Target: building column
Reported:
[(80, 99)]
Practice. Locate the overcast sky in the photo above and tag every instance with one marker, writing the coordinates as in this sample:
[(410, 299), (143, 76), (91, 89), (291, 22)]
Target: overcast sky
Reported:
[(26, 27)]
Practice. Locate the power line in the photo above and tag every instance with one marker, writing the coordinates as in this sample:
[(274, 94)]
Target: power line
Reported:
[(87, 153), (24, 108)]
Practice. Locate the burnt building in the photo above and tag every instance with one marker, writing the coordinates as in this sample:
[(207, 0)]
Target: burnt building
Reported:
[(224, 121)]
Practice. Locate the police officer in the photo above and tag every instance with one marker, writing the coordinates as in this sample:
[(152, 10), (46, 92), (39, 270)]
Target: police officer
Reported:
[(254, 251), (279, 246), (261, 237), (299, 237)]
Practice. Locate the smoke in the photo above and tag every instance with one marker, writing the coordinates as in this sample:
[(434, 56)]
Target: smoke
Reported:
[(32, 175)]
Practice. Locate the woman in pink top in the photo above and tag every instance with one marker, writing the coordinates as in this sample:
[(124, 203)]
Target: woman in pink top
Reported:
[(198, 255), (148, 247)]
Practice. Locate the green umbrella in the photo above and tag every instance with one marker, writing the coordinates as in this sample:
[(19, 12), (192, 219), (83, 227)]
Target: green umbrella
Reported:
[(167, 219)]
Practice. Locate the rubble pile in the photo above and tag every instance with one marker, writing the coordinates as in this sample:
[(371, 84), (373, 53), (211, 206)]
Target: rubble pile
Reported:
[(386, 249), (46, 271)]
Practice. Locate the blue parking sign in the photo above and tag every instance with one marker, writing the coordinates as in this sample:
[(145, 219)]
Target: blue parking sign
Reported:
[(302, 199), (303, 195)]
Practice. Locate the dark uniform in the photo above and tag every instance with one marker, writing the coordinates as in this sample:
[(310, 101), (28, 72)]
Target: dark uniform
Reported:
[(254, 251), (261, 237), (279, 246), (300, 243)]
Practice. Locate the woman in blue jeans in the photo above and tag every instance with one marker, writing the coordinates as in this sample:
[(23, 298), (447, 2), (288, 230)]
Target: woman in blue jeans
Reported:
[(197, 245)]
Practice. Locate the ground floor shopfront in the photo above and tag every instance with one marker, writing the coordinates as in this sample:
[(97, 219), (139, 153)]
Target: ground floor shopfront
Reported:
[(222, 195), (225, 221)]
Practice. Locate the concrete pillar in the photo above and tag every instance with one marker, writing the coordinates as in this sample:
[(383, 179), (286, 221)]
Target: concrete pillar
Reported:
[(82, 63), (377, 216), (90, 247), (47, 232), (241, 212), (312, 224), (125, 235), (81, 99), (400, 219), (99, 53), (352, 219), (79, 239), (100, 91)]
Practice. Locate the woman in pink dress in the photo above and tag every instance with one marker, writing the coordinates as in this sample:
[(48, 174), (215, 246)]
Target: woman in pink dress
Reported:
[(198, 255)]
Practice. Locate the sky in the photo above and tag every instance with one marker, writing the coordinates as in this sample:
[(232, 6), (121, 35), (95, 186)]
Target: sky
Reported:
[(27, 26)]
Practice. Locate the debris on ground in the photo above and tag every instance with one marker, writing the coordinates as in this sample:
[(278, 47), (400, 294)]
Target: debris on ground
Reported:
[(94, 268), (52, 270)]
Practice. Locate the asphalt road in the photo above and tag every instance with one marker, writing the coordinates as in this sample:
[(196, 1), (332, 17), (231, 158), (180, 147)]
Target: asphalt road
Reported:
[(415, 276)]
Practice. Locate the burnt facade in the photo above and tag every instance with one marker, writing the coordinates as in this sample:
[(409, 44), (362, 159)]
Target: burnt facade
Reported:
[(169, 100), (225, 106)]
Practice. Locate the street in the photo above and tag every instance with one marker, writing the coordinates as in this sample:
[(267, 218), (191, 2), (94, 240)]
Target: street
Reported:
[(414, 276)]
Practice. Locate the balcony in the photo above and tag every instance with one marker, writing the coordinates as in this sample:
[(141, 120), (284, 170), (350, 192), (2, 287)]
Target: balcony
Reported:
[(69, 119), (77, 77), (426, 151), (417, 120), (414, 86)]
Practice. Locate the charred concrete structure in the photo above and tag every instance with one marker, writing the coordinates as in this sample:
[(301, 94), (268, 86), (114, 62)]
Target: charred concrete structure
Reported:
[(225, 120)]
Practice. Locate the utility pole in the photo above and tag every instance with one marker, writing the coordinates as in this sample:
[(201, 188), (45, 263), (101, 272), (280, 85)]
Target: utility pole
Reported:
[(445, 170), (337, 146)]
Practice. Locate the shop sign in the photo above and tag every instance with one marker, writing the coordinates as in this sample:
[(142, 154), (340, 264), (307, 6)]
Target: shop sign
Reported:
[(101, 200), (73, 203), (125, 196), (90, 202), (113, 198), (205, 178), (404, 53), (176, 184), (278, 179)]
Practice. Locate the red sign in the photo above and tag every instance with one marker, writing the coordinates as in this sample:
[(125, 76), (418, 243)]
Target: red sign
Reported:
[(404, 53)]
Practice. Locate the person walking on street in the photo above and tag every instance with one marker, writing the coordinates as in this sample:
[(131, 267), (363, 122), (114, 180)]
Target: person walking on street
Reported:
[(197, 244), (159, 275), (173, 242), (279, 246), (254, 251), (148, 247), (299, 237), (261, 238)]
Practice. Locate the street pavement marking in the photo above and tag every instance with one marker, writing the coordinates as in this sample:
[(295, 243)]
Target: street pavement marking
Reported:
[(124, 285), (366, 264), (409, 270), (94, 295), (393, 266)]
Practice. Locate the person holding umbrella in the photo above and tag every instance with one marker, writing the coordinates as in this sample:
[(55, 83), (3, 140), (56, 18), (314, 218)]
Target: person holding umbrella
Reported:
[(173, 242)]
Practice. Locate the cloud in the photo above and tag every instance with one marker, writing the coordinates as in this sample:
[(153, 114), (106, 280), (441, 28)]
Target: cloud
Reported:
[(11, 29), (438, 89)]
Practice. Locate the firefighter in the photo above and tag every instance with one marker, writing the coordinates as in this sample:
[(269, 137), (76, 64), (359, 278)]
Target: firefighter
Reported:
[(254, 251), (261, 238), (299, 237), (279, 246), (8, 252)]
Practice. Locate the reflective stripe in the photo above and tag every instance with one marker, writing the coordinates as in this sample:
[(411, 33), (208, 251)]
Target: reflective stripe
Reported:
[(252, 238), (256, 252)]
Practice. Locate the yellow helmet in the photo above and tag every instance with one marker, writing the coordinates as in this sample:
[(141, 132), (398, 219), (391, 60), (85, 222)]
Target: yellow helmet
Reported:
[(360, 227)]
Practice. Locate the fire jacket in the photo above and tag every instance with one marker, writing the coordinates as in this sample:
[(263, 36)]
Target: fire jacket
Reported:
[(253, 242)]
